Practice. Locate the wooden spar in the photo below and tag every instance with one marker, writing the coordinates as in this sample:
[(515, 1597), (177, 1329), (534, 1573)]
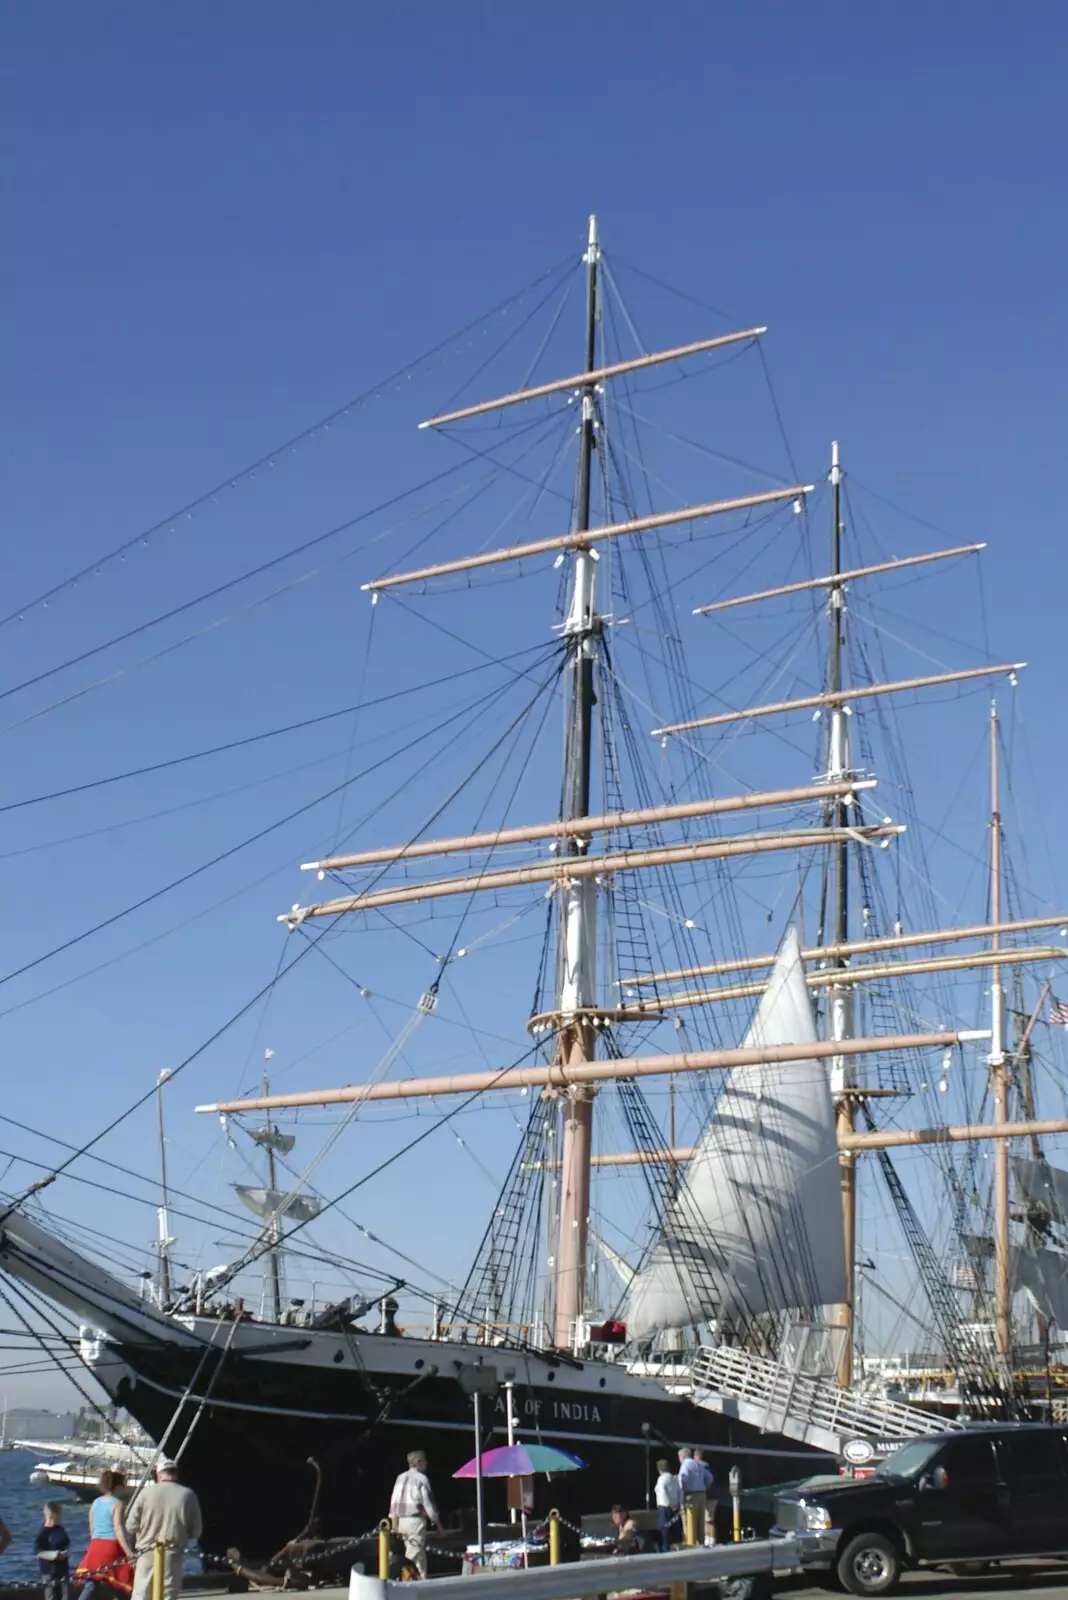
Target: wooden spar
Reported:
[(866, 972), (833, 580), (585, 380), (581, 539), (856, 947), (893, 1138), (864, 692), (555, 1075), (570, 868), (882, 1139), (578, 827)]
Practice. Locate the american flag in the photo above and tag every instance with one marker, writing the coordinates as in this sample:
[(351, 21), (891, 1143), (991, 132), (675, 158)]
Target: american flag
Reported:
[(1058, 1012)]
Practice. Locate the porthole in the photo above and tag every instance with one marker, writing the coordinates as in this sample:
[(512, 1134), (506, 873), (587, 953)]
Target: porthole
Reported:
[(420, 1364), (339, 1355), (551, 1377)]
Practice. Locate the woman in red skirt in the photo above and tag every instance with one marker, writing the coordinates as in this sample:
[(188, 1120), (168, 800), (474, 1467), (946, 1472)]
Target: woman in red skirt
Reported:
[(107, 1567)]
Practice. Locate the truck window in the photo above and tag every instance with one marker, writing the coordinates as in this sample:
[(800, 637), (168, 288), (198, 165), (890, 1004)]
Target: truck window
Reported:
[(1032, 1455), (969, 1462)]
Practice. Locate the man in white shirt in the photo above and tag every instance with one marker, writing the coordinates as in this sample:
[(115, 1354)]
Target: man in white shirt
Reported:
[(412, 1510), (692, 1489), (666, 1491)]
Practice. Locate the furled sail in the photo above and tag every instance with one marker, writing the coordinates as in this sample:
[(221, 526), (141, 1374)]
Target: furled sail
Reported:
[(272, 1139), (757, 1224), (1043, 1273), (1046, 1185), (272, 1203)]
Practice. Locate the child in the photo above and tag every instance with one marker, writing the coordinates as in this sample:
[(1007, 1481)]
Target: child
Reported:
[(52, 1544)]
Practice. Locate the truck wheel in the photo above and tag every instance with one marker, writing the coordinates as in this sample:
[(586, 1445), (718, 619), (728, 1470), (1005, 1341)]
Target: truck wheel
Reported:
[(748, 1586), (869, 1564)]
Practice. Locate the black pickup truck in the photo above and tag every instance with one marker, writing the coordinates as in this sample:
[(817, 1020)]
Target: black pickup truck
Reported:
[(963, 1500)]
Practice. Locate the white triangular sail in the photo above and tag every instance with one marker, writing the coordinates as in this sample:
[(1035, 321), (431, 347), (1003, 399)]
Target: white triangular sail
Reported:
[(273, 1203), (757, 1225)]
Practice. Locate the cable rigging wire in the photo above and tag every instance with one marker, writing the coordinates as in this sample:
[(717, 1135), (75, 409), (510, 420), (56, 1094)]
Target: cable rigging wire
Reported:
[(231, 481)]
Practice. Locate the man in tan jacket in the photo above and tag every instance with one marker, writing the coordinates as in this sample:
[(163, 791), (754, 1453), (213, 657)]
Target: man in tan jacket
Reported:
[(163, 1513)]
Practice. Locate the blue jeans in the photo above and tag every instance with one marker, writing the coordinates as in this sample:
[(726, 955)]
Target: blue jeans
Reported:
[(665, 1517)]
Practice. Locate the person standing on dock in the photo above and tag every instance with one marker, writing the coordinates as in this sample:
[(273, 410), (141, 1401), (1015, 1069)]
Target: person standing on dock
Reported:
[(666, 1493), (710, 1504), (412, 1510), (163, 1513), (692, 1491), (52, 1545)]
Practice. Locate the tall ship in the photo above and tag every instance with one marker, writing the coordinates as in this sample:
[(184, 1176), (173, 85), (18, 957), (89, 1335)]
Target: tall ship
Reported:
[(777, 1181)]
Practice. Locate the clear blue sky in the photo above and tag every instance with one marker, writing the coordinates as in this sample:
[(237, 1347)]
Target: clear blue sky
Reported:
[(222, 222)]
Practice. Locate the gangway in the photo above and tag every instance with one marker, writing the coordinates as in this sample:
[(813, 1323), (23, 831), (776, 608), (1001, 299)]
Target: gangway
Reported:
[(779, 1396)]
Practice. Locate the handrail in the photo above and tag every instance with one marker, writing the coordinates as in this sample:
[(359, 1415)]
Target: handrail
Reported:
[(700, 1564)]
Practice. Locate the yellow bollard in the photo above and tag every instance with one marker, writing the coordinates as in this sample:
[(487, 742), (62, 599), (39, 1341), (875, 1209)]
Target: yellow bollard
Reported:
[(159, 1557), (689, 1524), (383, 1549), (735, 1482), (554, 1538)]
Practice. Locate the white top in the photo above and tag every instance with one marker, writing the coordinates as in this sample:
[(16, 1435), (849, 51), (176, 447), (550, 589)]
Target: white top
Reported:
[(667, 1491), (412, 1496)]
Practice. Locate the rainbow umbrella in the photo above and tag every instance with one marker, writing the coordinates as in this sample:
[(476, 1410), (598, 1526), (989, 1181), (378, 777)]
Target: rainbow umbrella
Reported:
[(522, 1461)]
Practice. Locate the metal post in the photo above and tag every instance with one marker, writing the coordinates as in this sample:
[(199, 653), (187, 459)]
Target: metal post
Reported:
[(509, 1388), (689, 1523), (736, 1503), (159, 1559), (383, 1549), (554, 1538), (478, 1477)]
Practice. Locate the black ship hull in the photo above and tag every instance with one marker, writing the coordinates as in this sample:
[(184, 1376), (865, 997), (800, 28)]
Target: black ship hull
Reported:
[(246, 1447)]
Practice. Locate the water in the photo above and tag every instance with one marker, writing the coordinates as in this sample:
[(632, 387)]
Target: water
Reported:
[(20, 1508), (21, 1504)]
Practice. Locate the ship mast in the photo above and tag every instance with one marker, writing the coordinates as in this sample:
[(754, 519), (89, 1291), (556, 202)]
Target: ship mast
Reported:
[(840, 1008), (999, 1074), (163, 1221), (578, 920), (273, 1230)]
